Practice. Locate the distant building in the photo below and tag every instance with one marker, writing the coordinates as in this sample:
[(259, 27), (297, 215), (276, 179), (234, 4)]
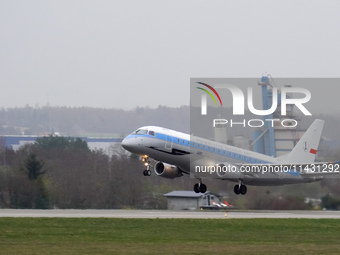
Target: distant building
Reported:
[(272, 138), (189, 200)]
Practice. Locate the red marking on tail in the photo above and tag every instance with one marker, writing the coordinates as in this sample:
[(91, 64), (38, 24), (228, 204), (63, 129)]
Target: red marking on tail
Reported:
[(313, 151)]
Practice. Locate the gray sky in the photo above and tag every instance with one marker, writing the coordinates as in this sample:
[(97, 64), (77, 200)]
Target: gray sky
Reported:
[(124, 54)]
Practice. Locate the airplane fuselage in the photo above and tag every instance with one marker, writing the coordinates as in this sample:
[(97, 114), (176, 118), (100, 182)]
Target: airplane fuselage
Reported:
[(188, 152)]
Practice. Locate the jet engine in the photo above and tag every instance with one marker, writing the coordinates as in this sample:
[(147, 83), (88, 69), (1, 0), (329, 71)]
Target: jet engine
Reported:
[(167, 171), (228, 171)]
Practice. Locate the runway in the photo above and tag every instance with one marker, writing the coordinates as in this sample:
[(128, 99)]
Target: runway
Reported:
[(168, 214)]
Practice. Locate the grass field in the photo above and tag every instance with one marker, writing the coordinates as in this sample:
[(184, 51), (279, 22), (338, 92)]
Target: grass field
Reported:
[(168, 236)]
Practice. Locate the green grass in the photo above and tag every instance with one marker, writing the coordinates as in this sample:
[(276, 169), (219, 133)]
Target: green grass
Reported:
[(168, 236)]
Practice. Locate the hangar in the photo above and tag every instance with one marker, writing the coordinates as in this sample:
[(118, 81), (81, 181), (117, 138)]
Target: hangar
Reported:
[(189, 200)]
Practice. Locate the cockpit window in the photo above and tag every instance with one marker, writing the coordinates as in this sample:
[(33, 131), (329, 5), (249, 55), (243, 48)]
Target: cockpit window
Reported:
[(151, 132), (141, 132)]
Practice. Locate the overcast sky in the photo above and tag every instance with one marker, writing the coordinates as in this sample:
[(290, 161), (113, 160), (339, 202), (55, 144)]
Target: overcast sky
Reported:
[(124, 54)]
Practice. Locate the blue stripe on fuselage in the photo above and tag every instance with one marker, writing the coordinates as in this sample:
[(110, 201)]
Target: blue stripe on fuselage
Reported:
[(210, 149)]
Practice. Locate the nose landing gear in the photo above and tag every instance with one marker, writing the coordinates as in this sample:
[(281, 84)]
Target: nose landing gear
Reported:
[(147, 171)]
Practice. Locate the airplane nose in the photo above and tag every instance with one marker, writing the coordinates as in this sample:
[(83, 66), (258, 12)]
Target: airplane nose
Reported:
[(128, 144), (125, 144), (132, 144)]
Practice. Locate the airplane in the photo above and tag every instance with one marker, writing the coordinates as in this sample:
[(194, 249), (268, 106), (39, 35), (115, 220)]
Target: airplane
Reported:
[(178, 153)]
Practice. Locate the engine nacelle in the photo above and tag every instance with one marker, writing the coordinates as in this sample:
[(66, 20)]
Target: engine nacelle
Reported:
[(228, 171), (167, 171)]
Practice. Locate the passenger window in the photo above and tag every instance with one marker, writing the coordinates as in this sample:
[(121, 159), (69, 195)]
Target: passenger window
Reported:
[(151, 133)]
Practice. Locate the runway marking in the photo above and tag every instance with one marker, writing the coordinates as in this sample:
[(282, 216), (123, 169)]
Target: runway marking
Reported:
[(168, 214)]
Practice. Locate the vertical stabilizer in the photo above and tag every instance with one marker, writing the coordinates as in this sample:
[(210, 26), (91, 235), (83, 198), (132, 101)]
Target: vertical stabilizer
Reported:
[(306, 149)]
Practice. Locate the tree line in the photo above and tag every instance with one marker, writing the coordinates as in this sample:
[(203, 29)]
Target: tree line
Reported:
[(62, 172)]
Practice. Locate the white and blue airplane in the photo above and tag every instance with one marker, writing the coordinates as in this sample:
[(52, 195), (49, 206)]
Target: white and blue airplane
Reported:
[(178, 153)]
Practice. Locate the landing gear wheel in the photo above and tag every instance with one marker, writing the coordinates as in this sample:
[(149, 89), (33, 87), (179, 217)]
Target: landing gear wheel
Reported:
[(147, 171), (197, 188), (200, 188), (203, 188), (243, 189), (237, 189)]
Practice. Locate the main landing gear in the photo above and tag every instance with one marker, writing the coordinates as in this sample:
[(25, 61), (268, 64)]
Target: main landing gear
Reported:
[(240, 189), (200, 187), (147, 171)]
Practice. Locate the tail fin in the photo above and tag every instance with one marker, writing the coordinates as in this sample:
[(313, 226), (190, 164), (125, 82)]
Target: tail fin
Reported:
[(305, 150)]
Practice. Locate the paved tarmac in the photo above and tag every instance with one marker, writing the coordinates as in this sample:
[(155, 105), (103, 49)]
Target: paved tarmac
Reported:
[(166, 214)]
